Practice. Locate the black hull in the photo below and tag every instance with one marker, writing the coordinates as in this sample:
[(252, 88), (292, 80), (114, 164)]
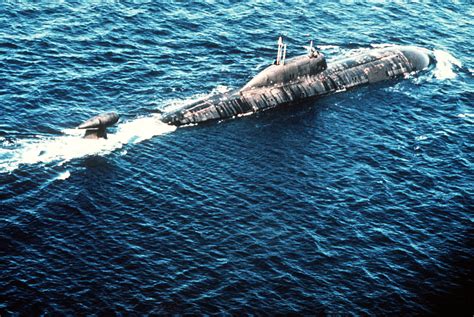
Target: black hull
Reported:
[(375, 66)]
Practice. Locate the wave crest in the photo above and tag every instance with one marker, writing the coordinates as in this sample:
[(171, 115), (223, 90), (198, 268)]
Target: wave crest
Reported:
[(445, 65)]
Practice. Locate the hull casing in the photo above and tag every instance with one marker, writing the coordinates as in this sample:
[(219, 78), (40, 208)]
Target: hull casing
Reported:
[(374, 66)]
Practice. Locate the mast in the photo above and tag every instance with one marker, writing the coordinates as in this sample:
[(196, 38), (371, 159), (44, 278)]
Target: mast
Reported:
[(280, 46), (312, 51), (281, 55)]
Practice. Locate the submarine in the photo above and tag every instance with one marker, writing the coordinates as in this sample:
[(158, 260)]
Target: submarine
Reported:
[(302, 78)]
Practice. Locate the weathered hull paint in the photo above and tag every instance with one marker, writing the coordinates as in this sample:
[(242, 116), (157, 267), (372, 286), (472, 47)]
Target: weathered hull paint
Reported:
[(372, 67)]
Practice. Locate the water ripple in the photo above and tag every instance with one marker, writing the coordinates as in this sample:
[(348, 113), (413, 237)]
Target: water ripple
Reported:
[(359, 203)]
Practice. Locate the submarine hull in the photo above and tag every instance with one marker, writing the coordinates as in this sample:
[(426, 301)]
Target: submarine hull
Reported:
[(374, 66)]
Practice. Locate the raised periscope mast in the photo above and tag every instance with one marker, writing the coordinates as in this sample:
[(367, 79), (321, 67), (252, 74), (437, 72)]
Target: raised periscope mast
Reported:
[(300, 79)]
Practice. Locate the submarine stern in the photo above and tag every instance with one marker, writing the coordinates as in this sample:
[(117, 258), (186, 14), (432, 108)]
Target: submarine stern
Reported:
[(96, 127)]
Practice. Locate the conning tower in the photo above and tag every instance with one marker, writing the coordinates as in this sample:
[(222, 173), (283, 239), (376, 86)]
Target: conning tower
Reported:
[(286, 71)]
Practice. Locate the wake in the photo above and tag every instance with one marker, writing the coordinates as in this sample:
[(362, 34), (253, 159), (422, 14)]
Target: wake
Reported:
[(61, 149), (71, 145)]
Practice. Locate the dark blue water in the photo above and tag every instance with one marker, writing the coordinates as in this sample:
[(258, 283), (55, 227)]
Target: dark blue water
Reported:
[(358, 203)]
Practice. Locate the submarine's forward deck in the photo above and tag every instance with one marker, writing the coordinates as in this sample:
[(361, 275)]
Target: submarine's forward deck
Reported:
[(374, 66)]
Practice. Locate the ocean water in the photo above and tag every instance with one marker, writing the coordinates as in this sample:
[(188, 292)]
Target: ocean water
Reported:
[(357, 203)]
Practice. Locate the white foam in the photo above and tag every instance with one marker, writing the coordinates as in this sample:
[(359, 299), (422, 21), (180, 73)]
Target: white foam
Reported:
[(382, 45), (71, 145), (220, 89), (328, 47), (140, 129), (64, 175), (466, 115), (445, 63)]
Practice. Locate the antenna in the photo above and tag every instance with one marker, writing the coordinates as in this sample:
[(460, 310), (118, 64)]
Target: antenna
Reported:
[(280, 45), (284, 54), (312, 52)]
